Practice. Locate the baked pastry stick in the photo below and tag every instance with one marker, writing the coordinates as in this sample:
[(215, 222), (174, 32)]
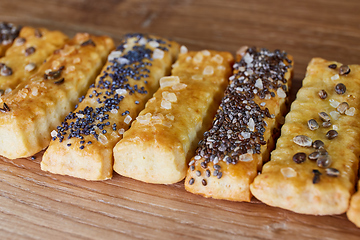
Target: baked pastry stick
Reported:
[(83, 144), (234, 149), (27, 53), (161, 141), (8, 32), (37, 106), (314, 166), (353, 212)]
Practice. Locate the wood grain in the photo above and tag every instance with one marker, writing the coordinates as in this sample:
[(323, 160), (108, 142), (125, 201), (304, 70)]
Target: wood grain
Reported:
[(39, 205)]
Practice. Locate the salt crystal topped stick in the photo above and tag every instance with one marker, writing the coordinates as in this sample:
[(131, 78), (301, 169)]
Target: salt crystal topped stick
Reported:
[(234, 149), (314, 166), (83, 144), (30, 112), (161, 141), (8, 33), (27, 54)]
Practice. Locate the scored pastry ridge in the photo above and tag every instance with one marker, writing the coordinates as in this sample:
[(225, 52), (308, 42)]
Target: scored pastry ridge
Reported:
[(233, 150), (83, 144), (314, 166), (36, 106), (159, 144)]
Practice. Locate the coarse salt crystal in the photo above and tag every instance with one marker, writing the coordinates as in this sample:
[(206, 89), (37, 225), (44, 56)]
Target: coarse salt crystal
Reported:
[(183, 49), (158, 116), (122, 60), (165, 104), (179, 86), (259, 84), (154, 44), (158, 54), (248, 58), (335, 77), (288, 172), (113, 55), (143, 119), (334, 103), (217, 58), (242, 50), (77, 60), (241, 69), (34, 91), (53, 133), (197, 77), (198, 58), (169, 81), (142, 41), (350, 111), (281, 93), (114, 111), (220, 67), (121, 91), (251, 124), (102, 138), (335, 127), (30, 67), (170, 116), (245, 135), (205, 53), (127, 119), (208, 70), (167, 124), (171, 97), (121, 131), (156, 121), (246, 157), (263, 104), (188, 58), (335, 115)]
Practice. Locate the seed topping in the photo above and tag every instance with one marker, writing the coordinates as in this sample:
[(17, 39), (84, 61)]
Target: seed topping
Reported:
[(299, 157), (340, 88), (344, 70), (323, 94)]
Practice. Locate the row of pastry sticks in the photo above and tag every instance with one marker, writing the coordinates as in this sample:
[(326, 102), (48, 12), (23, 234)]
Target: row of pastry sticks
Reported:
[(304, 175)]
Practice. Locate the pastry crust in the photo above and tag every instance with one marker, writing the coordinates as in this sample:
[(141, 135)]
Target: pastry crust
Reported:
[(353, 212), (128, 80), (158, 146), (308, 187), (37, 106), (214, 176), (27, 54)]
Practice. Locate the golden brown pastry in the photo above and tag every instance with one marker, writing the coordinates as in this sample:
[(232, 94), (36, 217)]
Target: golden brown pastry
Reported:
[(159, 144), (30, 112), (313, 168), (8, 32), (27, 54), (353, 212), (234, 149), (84, 144)]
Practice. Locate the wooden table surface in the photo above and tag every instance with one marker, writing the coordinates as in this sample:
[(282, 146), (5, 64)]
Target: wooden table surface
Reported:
[(40, 205)]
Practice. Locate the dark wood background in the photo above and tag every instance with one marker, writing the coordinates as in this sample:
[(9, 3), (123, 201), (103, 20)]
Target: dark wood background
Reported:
[(39, 205)]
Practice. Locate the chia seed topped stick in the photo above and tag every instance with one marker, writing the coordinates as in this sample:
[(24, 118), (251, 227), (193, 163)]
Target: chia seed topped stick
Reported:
[(242, 135)]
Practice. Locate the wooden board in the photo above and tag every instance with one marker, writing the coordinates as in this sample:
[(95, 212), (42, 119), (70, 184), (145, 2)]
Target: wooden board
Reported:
[(40, 205)]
